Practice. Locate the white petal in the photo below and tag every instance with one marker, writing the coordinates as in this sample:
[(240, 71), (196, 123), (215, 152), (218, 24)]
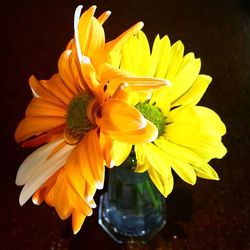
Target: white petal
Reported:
[(76, 21), (33, 161), (42, 173)]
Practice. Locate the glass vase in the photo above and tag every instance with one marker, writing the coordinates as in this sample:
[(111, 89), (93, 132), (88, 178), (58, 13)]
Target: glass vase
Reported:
[(132, 209)]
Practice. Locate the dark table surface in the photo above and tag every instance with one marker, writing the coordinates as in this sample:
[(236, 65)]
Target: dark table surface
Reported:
[(210, 215)]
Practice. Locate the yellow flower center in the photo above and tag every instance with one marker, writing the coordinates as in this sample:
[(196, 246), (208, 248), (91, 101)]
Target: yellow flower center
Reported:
[(77, 120), (154, 115)]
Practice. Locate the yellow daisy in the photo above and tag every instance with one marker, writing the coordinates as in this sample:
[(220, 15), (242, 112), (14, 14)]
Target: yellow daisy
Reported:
[(189, 136), (77, 116)]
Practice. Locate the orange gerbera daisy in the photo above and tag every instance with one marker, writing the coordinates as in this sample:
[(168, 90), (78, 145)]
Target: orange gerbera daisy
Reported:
[(78, 117)]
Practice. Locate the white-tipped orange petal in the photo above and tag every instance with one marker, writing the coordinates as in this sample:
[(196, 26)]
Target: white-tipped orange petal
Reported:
[(77, 221), (106, 144), (84, 26), (103, 17)]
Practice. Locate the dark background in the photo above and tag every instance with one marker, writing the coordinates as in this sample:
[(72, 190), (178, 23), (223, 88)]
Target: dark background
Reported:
[(210, 215)]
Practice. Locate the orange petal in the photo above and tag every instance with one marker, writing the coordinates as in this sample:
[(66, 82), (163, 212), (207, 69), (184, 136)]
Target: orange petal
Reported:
[(62, 194), (41, 107), (40, 91), (83, 26), (118, 116), (44, 138), (77, 221), (103, 17), (90, 76), (37, 197), (86, 164), (69, 71), (117, 78), (106, 146), (35, 126), (96, 41), (93, 157), (56, 86), (73, 170), (147, 134)]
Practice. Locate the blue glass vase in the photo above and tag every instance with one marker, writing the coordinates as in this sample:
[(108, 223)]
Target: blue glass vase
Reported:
[(132, 209)]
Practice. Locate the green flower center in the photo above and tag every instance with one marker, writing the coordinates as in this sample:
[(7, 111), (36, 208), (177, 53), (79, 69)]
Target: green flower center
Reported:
[(77, 120), (153, 114)]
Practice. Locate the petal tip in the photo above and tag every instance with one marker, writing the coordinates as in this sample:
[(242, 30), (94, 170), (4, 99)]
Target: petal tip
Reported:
[(22, 201), (99, 185), (76, 230), (35, 201), (141, 24)]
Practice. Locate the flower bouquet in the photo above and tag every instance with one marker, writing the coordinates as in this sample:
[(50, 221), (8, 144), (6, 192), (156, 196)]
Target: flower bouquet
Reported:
[(110, 104)]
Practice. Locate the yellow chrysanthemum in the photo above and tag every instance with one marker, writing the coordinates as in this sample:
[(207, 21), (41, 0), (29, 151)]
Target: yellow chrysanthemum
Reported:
[(189, 136), (78, 117)]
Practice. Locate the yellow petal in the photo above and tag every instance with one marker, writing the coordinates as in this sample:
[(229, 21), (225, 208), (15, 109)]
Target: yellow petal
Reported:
[(152, 159), (196, 91), (184, 170), (136, 55), (185, 78), (198, 129), (117, 43), (161, 49), (164, 184), (157, 159), (177, 151), (175, 59), (121, 151), (142, 162), (206, 171)]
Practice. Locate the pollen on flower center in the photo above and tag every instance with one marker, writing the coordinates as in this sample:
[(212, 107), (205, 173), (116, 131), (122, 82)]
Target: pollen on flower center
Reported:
[(154, 115), (77, 120)]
